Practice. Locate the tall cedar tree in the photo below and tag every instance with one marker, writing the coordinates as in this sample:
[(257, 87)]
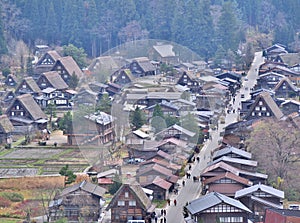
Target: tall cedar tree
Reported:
[(137, 119)]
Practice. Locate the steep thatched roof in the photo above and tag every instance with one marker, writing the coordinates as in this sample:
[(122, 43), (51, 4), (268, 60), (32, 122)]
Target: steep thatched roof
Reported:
[(5, 124), (55, 80)]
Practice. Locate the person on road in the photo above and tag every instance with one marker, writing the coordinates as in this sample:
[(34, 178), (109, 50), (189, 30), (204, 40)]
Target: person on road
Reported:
[(175, 202), (169, 201), (183, 183)]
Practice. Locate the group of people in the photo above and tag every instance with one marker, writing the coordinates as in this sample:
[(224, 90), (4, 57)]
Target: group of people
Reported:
[(169, 202)]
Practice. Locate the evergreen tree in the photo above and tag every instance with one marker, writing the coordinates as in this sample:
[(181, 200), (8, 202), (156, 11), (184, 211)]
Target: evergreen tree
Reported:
[(74, 81), (52, 27), (104, 104), (137, 118), (69, 174), (228, 28), (29, 67), (157, 111), (78, 54), (189, 122), (65, 123), (3, 48)]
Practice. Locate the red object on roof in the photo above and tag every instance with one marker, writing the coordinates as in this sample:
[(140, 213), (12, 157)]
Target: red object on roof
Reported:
[(105, 181)]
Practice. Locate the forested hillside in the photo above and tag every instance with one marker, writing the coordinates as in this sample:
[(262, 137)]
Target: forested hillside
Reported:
[(205, 26)]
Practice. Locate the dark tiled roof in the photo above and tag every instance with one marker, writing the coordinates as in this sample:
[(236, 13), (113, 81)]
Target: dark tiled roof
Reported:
[(55, 80), (158, 181), (229, 175), (286, 212), (259, 187), (230, 149), (236, 160), (212, 199)]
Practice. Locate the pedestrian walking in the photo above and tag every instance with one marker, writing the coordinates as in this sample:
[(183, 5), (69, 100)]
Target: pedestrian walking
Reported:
[(161, 220), (175, 202), (183, 183), (169, 201), (162, 212), (155, 219), (165, 220), (198, 159), (165, 212), (190, 167)]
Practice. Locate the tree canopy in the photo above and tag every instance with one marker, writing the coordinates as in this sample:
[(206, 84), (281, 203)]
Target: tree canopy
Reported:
[(97, 26), (276, 148)]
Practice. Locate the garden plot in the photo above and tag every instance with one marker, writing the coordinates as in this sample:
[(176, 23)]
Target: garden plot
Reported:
[(12, 172), (32, 153)]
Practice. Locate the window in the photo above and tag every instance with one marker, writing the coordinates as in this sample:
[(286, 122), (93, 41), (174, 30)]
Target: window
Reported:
[(257, 108), (123, 77), (126, 194), (121, 203), (132, 203), (17, 107), (260, 103), (253, 114), (22, 114), (231, 219), (24, 86), (268, 113), (12, 114), (263, 108)]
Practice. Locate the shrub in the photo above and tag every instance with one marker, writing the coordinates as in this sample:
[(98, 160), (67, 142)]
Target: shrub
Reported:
[(14, 197), (292, 194), (6, 71), (4, 202)]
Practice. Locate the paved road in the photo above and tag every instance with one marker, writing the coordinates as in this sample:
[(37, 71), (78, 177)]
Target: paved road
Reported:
[(192, 189)]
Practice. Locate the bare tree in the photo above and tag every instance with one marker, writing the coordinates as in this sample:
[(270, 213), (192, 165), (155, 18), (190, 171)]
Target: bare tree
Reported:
[(276, 147), (46, 196)]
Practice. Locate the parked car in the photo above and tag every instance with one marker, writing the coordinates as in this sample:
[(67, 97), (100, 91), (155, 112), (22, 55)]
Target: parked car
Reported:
[(135, 160)]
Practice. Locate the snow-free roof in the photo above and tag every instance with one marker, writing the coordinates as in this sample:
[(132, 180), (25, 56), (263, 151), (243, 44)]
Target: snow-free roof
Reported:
[(231, 149), (259, 187), (211, 200)]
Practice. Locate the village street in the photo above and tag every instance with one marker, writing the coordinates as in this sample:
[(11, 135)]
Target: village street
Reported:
[(192, 190)]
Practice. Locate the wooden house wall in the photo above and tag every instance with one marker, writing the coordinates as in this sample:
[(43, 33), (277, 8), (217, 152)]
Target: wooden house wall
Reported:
[(122, 79), (158, 192), (290, 108), (225, 188), (62, 71), (213, 217), (80, 204), (286, 92), (120, 214)]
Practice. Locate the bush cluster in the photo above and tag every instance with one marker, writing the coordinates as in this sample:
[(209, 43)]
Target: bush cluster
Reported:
[(14, 197)]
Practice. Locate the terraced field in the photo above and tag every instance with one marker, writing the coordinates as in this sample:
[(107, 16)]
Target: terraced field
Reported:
[(30, 161)]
